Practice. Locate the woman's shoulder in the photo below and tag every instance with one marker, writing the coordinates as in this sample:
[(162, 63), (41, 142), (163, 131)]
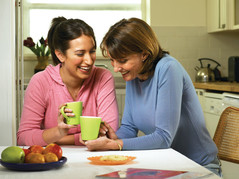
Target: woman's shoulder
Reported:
[(45, 77), (166, 62), (101, 73), (100, 77)]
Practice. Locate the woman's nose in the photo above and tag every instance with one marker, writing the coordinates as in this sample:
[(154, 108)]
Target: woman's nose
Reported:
[(88, 59), (116, 66)]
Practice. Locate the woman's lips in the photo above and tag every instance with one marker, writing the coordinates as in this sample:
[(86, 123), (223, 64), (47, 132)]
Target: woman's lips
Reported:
[(84, 69), (124, 73)]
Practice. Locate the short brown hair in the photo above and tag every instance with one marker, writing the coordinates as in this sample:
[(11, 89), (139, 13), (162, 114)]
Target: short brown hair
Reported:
[(131, 36)]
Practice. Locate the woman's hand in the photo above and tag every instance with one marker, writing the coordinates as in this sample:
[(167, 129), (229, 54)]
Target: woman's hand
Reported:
[(62, 126), (58, 133), (106, 130), (103, 143)]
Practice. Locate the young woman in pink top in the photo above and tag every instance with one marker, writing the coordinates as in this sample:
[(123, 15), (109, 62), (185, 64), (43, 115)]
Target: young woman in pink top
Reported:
[(73, 78)]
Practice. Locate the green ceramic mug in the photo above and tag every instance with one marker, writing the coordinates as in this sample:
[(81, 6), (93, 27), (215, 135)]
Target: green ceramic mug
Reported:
[(76, 108), (90, 127)]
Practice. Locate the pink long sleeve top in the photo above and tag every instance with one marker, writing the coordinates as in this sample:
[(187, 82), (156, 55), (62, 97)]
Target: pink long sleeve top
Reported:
[(46, 92)]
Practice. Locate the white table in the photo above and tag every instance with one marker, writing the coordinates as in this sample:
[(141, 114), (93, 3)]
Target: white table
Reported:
[(78, 166)]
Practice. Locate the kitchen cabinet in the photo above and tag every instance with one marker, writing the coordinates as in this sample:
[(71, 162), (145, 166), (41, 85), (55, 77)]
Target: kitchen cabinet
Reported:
[(222, 15), (234, 7), (217, 15)]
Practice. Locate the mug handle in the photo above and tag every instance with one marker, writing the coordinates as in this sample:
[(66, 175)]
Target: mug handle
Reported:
[(63, 112)]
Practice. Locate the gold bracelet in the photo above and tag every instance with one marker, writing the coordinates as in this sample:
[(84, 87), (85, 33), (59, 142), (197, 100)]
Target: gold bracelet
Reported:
[(120, 148)]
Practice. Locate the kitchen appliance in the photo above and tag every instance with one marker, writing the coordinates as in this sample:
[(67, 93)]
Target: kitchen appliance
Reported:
[(206, 74), (230, 99), (213, 107), (233, 68)]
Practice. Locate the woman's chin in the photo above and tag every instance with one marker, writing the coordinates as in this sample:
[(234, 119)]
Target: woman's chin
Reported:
[(127, 78)]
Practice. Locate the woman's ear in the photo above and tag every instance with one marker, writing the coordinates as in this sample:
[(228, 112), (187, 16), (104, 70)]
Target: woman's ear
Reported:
[(60, 55), (144, 56)]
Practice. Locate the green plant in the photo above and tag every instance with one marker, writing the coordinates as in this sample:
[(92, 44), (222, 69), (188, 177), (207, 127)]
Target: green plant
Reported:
[(38, 50)]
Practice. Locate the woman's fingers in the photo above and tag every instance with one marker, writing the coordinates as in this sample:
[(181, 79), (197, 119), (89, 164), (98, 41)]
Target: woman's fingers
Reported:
[(61, 106), (98, 144), (106, 130), (81, 141), (67, 111), (63, 125), (103, 129)]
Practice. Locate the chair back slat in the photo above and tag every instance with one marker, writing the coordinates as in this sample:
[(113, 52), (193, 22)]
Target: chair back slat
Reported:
[(227, 135)]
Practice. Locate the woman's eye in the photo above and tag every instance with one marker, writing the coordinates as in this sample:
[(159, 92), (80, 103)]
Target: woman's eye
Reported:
[(80, 54), (92, 51), (123, 61)]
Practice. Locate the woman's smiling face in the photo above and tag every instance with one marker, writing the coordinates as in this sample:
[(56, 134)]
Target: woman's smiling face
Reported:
[(129, 67), (80, 57)]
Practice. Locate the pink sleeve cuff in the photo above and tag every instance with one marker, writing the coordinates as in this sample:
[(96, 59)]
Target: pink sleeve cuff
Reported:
[(40, 139), (31, 138), (77, 139)]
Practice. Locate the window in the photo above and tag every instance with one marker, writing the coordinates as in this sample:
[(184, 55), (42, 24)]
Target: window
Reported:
[(99, 14)]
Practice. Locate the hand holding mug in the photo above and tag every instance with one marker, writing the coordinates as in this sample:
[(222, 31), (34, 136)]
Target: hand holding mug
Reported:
[(62, 126), (101, 143), (72, 112), (106, 130)]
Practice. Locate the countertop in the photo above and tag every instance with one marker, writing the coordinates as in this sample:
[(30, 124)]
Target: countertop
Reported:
[(218, 86)]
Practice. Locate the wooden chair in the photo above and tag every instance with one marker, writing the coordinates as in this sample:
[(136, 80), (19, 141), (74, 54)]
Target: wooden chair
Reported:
[(226, 136)]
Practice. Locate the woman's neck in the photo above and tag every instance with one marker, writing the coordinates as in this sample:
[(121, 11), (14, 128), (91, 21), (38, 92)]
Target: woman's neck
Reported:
[(73, 85), (143, 77)]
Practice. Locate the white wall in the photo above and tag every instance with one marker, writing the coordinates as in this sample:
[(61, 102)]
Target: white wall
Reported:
[(7, 73), (178, 13)]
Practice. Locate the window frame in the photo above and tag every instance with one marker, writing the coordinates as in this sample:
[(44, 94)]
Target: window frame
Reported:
[(55, 6)]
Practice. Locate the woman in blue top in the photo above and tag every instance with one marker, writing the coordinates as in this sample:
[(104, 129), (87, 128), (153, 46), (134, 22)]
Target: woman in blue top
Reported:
[(160, 98)]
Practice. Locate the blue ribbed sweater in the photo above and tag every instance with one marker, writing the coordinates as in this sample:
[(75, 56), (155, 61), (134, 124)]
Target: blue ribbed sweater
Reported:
[(166, 108)]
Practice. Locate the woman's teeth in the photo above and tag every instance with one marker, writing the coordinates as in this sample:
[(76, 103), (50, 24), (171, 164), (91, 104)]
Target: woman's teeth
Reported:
[(85, 68), (123, 73)]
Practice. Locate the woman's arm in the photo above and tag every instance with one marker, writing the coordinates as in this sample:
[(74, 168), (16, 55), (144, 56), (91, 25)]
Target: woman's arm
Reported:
[(104, 143), (31, 130), (59, 133)]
